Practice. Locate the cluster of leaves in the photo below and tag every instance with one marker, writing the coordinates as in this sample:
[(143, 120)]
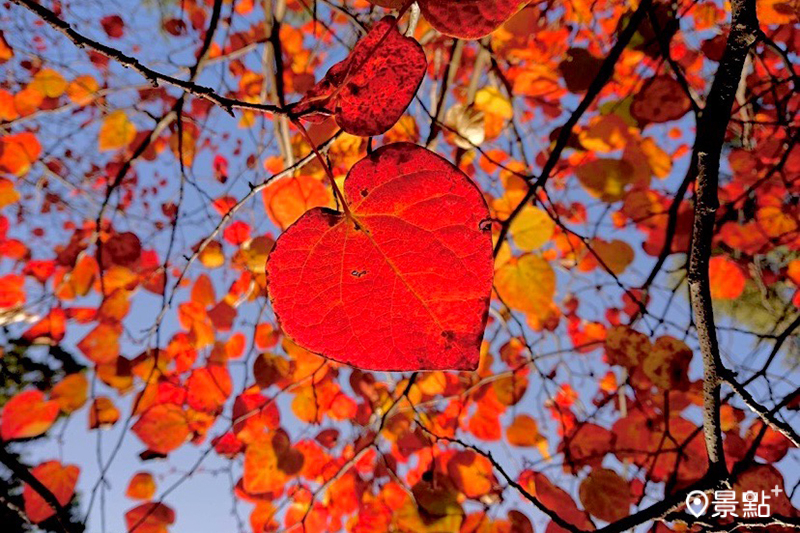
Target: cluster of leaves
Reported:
[(489, 196)]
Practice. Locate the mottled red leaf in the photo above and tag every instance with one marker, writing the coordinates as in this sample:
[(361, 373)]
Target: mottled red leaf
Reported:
[(370, 89), (400, 282), (661, 99), (468, 19)]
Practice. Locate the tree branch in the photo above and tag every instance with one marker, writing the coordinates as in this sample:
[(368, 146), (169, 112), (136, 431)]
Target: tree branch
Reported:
[(22, 472), (769, 418), (711, 128), (603, 76), (154, 76)]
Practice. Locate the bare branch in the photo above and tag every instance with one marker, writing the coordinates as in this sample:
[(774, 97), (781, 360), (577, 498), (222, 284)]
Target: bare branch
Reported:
[(711, 128)]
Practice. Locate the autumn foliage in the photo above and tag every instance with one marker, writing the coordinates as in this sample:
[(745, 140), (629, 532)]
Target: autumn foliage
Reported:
[(391, 265)]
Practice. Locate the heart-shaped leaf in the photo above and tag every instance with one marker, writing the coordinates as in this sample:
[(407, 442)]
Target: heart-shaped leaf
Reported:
[(368, 91), (59, 479), (468, 19), (402, 280)]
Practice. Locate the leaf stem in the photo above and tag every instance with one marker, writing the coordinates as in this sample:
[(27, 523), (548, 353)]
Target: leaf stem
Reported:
[(336, 191)]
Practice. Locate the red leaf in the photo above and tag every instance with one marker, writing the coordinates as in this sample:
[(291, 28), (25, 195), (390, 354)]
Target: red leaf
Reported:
[(237, 232), (223, 204), (12, 291), (49, 330), (370, 89), (121, 249), (174, 27), (113, 26), (555, 498), (468, 19), (662, 99), (60, 480), (27, 415), (413, 267)]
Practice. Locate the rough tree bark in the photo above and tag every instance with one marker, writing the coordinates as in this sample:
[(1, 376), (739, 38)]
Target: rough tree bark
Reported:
[(711, 127)]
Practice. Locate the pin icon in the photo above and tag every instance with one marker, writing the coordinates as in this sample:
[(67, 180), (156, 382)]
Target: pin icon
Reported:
[(697, 503)]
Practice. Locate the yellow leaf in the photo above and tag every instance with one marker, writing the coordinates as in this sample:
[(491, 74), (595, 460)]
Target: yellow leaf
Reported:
[(70, 393), (660, 162), (667, 362), (605, 178), (606, 133), (49, 82), (532, 228), (116, 132), (526, 284), (491, 100), (212, 256), (254, 252)]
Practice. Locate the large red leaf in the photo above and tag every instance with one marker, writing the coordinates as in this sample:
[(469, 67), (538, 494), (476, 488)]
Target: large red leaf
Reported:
[(468, 19), (403, 281), (370, 89)]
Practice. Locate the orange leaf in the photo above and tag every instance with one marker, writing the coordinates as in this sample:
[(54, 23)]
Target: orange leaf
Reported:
[(472, 473), (8, 194), (82, 89), (101, 345), (261, 472), (49, 82), (667, 363), (103, 413), (524, 432), (6, 52), (26, 415), (208, 388), (726, 278), (116, 132), (70, 393), (286, 200), (203, 291), (142, 486), (150, 517), (163, 427), (18, 152), (11, 291), (60, 480)]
